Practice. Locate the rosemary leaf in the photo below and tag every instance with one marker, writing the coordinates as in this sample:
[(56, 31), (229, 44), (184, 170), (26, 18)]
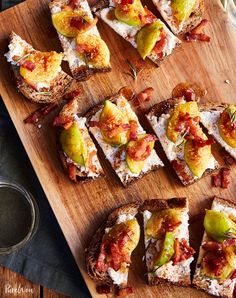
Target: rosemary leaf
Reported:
[(22, 58), (47, 93), (133, 70)]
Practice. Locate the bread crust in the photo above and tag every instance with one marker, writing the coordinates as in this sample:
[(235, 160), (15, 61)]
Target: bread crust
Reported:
[(93, 249), (89, 114), (57, 88), (194, 19), (157, 205), (70, 110), (83, 72), (166, 107)]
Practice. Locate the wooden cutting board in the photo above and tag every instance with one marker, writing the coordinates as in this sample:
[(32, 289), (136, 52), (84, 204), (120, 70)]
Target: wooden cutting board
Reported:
[(80, 209)]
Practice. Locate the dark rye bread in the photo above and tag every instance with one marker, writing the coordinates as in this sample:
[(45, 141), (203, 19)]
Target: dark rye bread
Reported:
[(93, 249), (89, 114), (212, 106), (200, 282), (166, 107), (69, 111), (83, 72), (194, 19), (158, 205), (57, 87)]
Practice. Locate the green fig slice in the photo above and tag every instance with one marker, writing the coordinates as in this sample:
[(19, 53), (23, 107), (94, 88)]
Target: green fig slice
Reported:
[(73, 145), (218, 225), (147, 38), (130, 13), (226, 125), (163, 221), (182, 9), (167, 250), (110, 115)]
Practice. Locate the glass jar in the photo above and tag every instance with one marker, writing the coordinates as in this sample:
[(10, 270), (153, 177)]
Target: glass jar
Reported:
[(19, 216)]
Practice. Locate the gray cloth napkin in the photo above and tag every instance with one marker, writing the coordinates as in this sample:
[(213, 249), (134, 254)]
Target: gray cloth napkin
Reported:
[(46, 259)]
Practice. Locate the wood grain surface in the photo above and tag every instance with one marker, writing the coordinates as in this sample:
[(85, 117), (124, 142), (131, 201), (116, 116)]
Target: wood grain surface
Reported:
[(80, 209)]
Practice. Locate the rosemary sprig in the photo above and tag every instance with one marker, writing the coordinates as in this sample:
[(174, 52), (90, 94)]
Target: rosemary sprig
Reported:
[(232, 115), (133, 70), (180, 140), (22, 58), (47, 93)]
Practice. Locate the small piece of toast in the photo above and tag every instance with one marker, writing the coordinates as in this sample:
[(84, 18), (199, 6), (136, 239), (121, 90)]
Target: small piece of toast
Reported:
[(216, 264), (76, 149), (166, 236), (139, 33), (185, 22), (83, 47), (124, 142), (211, 116), (176, 124), (108, 256), (39, 83)]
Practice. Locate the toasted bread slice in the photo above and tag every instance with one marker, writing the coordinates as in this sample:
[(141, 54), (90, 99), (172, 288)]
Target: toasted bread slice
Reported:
[(114, 153), (43, 92), (179, 27), (172, 271), (210, 115), (80, 67), (90, 167), (109, 276), (158, 118), (105, 11), (215, 286)]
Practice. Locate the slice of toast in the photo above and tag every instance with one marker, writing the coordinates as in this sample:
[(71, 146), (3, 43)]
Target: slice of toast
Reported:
[(93, 254), (179, 27), (210, 114), (81, 68), (213, 286), (152, 162), (173, 271), (91, 169), (105, 10), (158, 118), (47, 92)]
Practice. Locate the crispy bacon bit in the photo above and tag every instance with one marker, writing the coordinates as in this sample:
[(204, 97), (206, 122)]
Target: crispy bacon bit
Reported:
[(103, 289), (125, 291), (147, 18), (112, 247), (73, 4), (202, 143), (228, 159), (40, 113), (180, 169), (212, 246), (80, 23), (233, 275), (71, 95), (190, 91), (215, 261), (222, 178), (124, 2), (229, 242), (196, 33), (133, 130), (142, 97), (28, 65), (87, 51), (72, 171), (182, 251), (63, 121), (160, 45), (142, 148), (117, 159), (188, 124)]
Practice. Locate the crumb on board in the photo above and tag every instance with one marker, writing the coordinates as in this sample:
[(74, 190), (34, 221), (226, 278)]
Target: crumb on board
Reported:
[(227, 82)]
